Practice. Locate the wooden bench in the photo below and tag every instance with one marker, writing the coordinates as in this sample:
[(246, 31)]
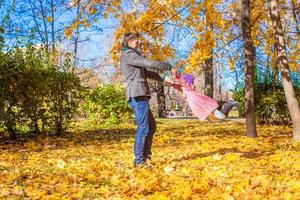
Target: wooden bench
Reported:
[(176, 114)]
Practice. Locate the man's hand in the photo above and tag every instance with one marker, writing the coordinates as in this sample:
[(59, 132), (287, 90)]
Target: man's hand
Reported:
[(168, 80), (174, 71), (167, 83)]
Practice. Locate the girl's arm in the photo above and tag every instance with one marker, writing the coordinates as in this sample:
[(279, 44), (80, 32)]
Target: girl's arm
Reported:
[(177, 86)]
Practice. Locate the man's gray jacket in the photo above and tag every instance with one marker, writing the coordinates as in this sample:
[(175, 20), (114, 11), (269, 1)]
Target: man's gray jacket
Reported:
[(135, 69)]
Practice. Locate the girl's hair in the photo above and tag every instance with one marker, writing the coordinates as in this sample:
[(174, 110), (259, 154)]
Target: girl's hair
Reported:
[(129, 36)]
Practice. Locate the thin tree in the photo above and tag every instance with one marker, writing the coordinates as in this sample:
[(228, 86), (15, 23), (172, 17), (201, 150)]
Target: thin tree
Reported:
[(296, 16), (209, 63), (283, 65), (249, 51), (161, 100)]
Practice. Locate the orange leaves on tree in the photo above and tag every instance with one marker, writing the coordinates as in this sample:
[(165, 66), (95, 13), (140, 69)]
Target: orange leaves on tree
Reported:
[(88, 25), (105, 15), (92, 10), (231, 63), (68, 32), (97, 1), (49, 19)]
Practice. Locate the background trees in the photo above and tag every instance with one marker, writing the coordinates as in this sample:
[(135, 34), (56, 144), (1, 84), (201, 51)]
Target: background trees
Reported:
[(207, 35)]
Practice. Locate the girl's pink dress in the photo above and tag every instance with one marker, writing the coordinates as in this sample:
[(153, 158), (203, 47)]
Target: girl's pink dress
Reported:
[(200, 104)]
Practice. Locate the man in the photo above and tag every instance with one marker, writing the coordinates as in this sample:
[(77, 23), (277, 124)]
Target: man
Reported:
[(135, 68)]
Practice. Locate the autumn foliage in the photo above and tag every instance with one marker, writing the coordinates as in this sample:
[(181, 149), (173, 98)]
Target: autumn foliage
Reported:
[(192, 160)]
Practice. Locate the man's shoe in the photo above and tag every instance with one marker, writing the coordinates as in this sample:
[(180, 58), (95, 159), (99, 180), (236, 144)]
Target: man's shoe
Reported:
[(147, 158), (149, 165), (143, 165), (212, 118)]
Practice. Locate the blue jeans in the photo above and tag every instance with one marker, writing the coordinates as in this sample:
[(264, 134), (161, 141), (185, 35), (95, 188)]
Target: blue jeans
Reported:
[(146, 128)]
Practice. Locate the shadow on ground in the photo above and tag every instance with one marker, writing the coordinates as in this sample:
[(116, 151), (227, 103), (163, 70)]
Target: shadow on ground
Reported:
[(82, 138)]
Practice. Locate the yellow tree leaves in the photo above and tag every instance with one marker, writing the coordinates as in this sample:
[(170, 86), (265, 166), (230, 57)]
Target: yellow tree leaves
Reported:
[(92, 10), (206, 38), (152, 35), (209, 22), (150, 24), (202, 50), (88, 9), (294, 59), (49, 19), (231, 63), (68, 32)]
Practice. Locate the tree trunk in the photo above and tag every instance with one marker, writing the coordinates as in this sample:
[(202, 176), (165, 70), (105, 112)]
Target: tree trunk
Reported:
[(58, 127), (76, 34), (267, 72), (44, 18), (296, 15), (11, 126), (12, 133), (236, 78), (220, 87), (249, 51), (209, 68), (161, 101), (282, 60), (209, 78), (52, 25), (35, 16)]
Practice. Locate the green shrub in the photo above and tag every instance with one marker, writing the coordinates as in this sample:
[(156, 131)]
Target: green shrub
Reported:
[(36, 94), (270, 102), (107, 105)]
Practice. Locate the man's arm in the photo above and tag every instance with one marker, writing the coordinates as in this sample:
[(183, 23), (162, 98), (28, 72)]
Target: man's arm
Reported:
[(133, 58), (153, 75)]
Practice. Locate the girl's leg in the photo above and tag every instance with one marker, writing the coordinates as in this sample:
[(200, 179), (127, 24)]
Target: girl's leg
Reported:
[(219, 115), (211, 117)]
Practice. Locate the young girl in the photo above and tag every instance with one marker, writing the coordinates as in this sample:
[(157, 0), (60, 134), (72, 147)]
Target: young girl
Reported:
[(202, 106)]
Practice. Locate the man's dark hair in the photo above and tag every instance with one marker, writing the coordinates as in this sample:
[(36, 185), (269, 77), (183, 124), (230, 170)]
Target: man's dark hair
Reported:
[(129, 36)]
